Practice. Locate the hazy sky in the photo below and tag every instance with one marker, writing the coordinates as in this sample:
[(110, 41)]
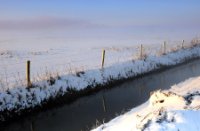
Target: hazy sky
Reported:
[(105, 18)]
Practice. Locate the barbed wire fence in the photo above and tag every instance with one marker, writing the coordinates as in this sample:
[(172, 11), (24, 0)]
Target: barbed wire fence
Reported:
[(13, 70)]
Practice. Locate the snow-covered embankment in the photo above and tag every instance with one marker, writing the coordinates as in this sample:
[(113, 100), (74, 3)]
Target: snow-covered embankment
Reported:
[(176, 109), (20, 98)]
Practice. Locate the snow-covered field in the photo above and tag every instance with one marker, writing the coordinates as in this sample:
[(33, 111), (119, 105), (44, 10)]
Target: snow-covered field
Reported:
[(176, 109), (119, 64), (66, 57)]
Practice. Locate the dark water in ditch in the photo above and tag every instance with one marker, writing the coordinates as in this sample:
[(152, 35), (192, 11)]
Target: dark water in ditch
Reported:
[(84, 113)]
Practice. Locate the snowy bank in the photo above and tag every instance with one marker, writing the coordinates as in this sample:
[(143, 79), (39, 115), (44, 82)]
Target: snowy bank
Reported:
[(18, 99), (176, 109)]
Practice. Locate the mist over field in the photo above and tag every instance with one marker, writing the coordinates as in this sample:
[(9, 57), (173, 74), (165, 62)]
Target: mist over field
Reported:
[(44, 40)]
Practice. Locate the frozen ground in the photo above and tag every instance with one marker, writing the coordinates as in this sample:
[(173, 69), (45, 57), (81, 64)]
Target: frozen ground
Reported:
[(68, 56), (176, 109)]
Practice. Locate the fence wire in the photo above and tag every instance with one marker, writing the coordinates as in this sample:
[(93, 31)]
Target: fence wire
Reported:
[(13, 69)]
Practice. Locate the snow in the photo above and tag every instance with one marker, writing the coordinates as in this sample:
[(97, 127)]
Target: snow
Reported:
[(166, 110), (17, 97), (178, 120), (61, 56)]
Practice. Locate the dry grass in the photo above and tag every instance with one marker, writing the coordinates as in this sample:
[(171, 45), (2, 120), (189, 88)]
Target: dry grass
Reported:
[(48, 74)]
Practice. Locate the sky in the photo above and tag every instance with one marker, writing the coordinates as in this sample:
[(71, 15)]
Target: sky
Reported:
[(111, 19)]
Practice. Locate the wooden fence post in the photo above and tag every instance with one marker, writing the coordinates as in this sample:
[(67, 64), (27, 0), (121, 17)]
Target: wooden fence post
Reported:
[(103, 58), (28, 78), (182, 46), (141, 51)]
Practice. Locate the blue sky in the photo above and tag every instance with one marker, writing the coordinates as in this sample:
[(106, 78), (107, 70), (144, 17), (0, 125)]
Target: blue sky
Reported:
[(124, 16)]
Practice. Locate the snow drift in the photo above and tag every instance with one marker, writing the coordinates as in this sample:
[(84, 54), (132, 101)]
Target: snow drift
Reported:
[(168, 110)]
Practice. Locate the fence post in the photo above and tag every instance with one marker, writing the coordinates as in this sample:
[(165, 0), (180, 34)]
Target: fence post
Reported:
[(164, 47), (141, 51), (103, 58), (182, 46), (28, 64)]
